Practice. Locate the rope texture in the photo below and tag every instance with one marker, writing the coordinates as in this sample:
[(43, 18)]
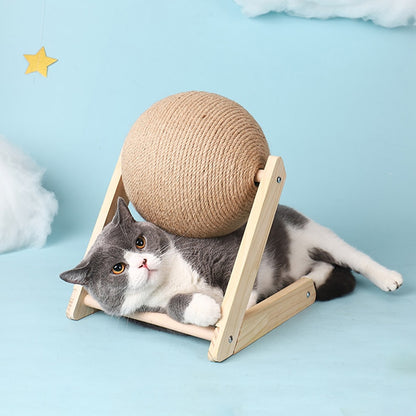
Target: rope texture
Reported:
[(189, 162)]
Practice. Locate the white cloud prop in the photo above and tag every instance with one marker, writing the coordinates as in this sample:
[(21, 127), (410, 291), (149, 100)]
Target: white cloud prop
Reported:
[(26, 208), (388, 13)]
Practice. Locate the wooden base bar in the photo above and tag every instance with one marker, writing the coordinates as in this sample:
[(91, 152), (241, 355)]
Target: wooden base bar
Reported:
[(275, 310), (258, 320), (162, 320)]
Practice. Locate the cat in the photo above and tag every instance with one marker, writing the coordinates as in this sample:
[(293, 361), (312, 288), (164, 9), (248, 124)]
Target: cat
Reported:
[(136, 266)]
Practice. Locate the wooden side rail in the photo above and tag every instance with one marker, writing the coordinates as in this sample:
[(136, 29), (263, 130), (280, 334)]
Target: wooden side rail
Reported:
[(274, 311), (248, 260), (258, 320)]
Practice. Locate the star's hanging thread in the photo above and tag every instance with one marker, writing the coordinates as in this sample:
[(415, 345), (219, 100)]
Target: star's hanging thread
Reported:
[(39, 62)]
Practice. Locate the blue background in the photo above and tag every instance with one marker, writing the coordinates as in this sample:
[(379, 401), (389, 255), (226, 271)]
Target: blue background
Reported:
[(336, 99)]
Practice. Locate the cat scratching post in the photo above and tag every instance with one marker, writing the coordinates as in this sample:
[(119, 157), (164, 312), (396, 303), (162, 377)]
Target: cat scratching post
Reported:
[(237, 327)]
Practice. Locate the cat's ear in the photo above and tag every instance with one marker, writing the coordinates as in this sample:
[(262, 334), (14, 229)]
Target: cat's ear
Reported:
[(78, 275), (122, 214)]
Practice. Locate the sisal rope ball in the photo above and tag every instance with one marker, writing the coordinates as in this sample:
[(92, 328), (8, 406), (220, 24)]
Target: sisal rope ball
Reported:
[(189, 163)]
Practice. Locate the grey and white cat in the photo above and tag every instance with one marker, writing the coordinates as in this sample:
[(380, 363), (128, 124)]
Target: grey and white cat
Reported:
[(136, 266)]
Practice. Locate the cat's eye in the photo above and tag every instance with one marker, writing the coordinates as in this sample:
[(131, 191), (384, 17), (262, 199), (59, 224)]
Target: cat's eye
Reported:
[(118, 268), (140, 242)]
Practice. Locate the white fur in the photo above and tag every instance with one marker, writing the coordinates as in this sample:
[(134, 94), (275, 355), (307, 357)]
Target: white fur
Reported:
[(265, 280), (172, 276), (26, 208), (320, 273), (139, 275), (203, 310), (299, 261), (254, 295), (141, 281), (388, 13), (314, 235), (265, 275)]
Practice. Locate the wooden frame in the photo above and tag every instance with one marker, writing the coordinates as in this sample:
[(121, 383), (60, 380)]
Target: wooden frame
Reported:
[(237, 327)]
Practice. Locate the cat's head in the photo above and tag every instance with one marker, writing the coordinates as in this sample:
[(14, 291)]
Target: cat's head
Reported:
[(126, 258)]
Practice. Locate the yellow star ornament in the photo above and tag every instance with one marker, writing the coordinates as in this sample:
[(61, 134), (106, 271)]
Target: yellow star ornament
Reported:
[(39, 62)]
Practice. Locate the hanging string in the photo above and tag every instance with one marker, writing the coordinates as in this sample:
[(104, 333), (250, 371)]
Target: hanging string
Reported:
[(42, 29)]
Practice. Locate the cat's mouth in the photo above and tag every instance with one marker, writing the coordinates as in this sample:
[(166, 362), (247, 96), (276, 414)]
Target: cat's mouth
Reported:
[(148, 273), (145, 265), (146, 279)]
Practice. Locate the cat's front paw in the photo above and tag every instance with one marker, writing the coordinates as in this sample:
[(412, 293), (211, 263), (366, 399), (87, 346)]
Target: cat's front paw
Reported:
[(202, 310), (389, 281)]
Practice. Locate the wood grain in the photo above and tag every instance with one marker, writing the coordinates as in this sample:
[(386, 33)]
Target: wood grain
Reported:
[(162, 320), (248, 260), (273, 311)]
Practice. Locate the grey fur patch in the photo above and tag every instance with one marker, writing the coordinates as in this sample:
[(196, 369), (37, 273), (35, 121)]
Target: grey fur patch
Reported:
[(278, 248), (317, 254), (178, 304), (146, 308), (290, 216), (213, 258)]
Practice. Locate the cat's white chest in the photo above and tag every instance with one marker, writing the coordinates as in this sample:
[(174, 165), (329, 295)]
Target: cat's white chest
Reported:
[(178, 273), (174, 276), (180, 277)]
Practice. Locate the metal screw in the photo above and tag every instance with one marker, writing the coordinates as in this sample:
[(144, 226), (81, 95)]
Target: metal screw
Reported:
[(279, 179), (230, 339), (308, 294)]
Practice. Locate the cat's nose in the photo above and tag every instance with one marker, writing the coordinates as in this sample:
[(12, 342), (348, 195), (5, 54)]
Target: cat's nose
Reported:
[(144, 264)]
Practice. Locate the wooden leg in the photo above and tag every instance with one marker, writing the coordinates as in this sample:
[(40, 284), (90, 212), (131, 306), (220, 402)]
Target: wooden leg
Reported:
[(273, 311), (248, 260), (76, 307)]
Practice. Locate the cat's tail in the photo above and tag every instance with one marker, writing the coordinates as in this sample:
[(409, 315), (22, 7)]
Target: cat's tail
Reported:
[(327, 247), (339, 282)]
